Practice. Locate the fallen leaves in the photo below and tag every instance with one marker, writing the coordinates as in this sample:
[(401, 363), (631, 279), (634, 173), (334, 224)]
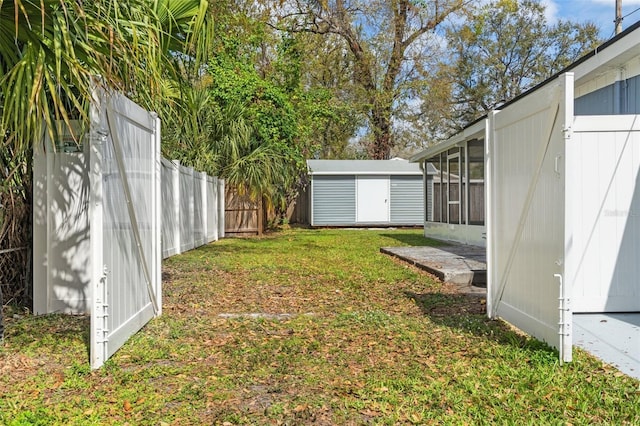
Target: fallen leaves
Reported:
[(384, 344)]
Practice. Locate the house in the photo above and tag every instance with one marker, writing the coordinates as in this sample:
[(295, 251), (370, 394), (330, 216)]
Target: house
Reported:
[(561, 194)]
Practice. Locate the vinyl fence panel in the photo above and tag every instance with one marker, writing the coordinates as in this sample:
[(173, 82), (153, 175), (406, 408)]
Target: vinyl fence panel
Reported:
[(170, 208), (221, 207), (187, 206), (212, 208), (61, 256), (125, 222), (199, 208), (603, 201), (526, 210)]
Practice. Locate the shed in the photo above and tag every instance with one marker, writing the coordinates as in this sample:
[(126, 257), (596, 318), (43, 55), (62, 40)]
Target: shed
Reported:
[(366, 192), (562, 195)]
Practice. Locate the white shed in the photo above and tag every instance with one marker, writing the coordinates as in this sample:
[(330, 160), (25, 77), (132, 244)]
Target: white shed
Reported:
[(366, 192), (562, 179)]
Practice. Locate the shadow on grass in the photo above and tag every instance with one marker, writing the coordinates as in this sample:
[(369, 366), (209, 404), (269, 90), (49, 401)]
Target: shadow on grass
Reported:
[(415, 240), (467, 314), (55, 331)]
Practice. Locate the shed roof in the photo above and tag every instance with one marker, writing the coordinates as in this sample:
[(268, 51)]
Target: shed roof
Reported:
[(364, 167)]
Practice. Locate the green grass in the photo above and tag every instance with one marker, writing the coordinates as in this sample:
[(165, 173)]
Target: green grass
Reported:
[(369, 340)]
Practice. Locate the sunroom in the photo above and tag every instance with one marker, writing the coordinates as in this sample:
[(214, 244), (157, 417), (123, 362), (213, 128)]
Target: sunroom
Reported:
[(455, 195)]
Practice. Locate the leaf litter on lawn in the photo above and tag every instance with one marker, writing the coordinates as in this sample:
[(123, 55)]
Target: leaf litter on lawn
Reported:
[(311, 327)]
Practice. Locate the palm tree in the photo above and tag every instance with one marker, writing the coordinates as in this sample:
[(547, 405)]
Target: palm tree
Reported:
[(52, 50)]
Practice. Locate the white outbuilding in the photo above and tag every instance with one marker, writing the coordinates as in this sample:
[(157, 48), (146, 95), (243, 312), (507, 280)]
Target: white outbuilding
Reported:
[(366, 193)]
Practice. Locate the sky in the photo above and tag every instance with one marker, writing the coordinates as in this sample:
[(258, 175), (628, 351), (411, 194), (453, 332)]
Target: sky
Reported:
[(600, 12)]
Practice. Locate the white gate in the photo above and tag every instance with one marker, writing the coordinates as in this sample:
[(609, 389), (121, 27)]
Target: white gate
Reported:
[(603, 200), (526, 213), (124, 220)]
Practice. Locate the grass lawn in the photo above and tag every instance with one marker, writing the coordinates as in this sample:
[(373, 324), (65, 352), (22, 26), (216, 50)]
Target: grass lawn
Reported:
[(308, 327)]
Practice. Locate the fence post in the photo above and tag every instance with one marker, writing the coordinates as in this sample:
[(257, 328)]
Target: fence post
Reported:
[(214, 210), (157, 216), (98, 291), (221, 207), (40, 232), (205, 211)]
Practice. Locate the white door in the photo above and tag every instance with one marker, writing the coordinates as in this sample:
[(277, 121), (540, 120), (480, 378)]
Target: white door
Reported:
[(372, 195)]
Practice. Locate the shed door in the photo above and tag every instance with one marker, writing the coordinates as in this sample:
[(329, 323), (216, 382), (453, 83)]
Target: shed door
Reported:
[(372, 199)]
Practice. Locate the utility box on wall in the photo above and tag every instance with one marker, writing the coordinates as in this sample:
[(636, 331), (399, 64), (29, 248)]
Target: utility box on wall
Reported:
[(366, 193)]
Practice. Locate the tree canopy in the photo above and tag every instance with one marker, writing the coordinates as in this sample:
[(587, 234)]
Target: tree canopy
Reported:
[(500, 50), (388, 42)]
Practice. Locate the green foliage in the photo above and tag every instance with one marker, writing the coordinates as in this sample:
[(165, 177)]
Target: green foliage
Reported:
[(327, 330), (384, 44), (503, 48), (51, 51)]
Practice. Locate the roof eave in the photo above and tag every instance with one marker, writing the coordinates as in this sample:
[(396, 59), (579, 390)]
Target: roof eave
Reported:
[(474, 130)]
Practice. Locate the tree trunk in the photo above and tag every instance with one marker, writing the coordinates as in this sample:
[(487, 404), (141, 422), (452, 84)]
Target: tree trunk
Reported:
[(380, 149), (1, 319)]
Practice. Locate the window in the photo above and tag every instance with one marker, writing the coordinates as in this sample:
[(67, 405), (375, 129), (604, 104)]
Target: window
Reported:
[(455, 185)]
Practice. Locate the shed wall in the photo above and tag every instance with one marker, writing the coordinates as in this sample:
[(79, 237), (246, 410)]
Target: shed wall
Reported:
[(333, 200), (407, 200)]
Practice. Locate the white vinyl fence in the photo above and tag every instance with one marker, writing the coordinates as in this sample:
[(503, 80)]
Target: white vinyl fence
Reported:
[(192, 202), (105, 212)]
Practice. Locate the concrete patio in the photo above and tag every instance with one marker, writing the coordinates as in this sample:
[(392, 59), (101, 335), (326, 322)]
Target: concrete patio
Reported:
[(463, 266)]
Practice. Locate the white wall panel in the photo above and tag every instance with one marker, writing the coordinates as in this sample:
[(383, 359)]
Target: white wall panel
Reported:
[(603, 203)]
